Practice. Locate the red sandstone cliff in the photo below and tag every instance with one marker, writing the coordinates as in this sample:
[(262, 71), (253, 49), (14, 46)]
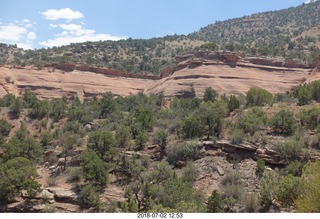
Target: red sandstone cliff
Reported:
[(230, 73)]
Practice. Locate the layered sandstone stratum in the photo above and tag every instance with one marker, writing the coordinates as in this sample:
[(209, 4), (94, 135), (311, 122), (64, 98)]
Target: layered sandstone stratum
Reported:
[(226, 72)]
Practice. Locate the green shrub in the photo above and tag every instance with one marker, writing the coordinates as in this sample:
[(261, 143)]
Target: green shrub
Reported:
[(258, 97), (51, 181), (16, 107), (251, 121), (17, 174), (123, 135), (268, 187), (231, 177), (251, 202), (233, 191), (160, 138), (103, 143), (94, 169), (40, 109), (294, 168), (182, 152), (190, 173), (89, 197), (232, 186), (233, 103), (175, 190), (192, 127), (310, 118), (308, 199), (288, 190), (283, 122), (75, 175), (7, 100), (237, 136), (261, 165), (23, 147), (140, 140), (304, 95), (210, 95), (292, 150), (5, 128), (46, 138), (215, 203)]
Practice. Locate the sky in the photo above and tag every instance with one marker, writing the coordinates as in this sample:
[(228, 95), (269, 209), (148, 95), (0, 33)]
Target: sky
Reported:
[(33, 24)]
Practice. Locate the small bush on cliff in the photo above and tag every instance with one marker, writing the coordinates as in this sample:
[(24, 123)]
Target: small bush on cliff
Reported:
[(182, 152), (292, 150), (103, 143), (310, 118), (283, 122), (7, 100), (161, 139), (89, 197), (237, 136), (26, 147), (215, 203), (261, 165), (251, 121), (233, 103), (210, 95), (304, 95), (5, 128), (16, 107), (258, 97), (17, 174), (94, 169)]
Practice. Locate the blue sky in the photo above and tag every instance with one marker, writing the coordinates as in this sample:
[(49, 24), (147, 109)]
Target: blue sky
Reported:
[(46, 23)]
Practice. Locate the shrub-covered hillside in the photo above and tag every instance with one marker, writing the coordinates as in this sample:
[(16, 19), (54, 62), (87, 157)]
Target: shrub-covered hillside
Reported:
[(291, 33), (251, 153)]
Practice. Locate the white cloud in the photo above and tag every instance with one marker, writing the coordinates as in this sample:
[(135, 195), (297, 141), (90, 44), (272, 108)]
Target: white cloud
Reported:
[(70, 27), (65, 13), (26, 21), (18, 33), (12, 33), (31, 36), (74, 33)]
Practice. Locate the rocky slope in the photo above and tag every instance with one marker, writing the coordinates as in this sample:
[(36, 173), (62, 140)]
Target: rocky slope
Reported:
[(47, 84), (232, 73)]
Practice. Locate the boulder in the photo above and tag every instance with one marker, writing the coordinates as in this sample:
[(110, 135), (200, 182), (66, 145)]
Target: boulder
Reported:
[(64, 195), (220, 171), (88, 127), (45, 194), (38, 208), (269, 157)]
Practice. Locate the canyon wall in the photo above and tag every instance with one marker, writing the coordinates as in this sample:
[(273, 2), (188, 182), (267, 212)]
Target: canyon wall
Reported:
[(104, 71)]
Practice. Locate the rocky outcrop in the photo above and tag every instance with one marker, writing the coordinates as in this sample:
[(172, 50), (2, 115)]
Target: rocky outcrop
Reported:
[(230, 73), (269, 157), (65, 67), (244, 151), (316, 64), (50, 84), (104, 71), (64, 195), (237, 58)]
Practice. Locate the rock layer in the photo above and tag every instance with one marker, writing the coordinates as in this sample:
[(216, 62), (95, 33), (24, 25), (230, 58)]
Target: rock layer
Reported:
[(229, 73)]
